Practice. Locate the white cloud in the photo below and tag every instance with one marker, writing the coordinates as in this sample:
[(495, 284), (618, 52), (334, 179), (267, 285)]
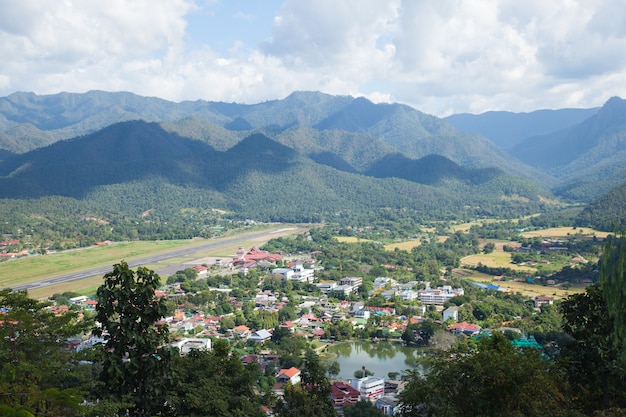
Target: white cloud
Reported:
[(441, 57)]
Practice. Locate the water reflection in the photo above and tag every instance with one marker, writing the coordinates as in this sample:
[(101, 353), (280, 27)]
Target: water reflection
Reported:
[(381, 358)]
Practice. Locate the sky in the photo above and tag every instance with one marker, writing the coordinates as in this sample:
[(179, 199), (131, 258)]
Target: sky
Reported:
[(439, 56)]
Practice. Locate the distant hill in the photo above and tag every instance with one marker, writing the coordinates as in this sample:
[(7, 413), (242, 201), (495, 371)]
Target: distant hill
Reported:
[(588, 158), (507, 129), (129, 165)]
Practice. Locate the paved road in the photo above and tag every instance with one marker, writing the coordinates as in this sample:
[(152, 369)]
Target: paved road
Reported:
[(76, 276)]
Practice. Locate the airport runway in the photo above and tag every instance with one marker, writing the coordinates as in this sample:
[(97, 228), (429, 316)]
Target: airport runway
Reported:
[(148, 260)]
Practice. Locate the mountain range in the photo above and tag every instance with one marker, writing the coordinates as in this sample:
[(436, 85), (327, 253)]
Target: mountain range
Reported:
[(318, 152)]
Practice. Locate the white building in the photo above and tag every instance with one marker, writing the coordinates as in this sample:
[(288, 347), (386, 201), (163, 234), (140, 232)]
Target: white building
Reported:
[(187, 345), (451, 313), (298, 273), (440, 295), (370, 387)]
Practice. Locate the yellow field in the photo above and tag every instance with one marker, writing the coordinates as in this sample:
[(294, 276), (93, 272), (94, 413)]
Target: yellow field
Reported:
[(351, 239), (408, 245), (530, 290), (495, 259), (563, 232)]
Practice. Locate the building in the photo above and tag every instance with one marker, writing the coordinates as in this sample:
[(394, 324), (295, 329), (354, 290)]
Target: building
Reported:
[(298, 273), (464, 328), (291, 375), (187, 345), (387, 405), (438, 296), (370, 387), (343, 394), (451, 313)]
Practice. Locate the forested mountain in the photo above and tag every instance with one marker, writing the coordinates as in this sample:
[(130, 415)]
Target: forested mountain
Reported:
[(128, 166), (29, 121), (351, 135), (588, 158), (607, 212), (507, 129)]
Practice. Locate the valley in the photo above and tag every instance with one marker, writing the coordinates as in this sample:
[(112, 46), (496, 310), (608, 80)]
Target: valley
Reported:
[(281, 229)]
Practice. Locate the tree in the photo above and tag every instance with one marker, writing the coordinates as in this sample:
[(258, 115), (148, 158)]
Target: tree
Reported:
[(613, 278), (489, 247), (312, 396), (135, 363), (362, 373), (34, 369), (592, 358), (215, 383), (362, 408), (495, 380), (333, 369)]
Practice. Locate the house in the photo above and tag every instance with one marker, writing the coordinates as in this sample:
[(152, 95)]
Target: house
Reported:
[(200, 269), (464, 328), (542, 300), (249, 359), (343, 394), (242, 332), (260, 336), (291, 375), (387, 405)]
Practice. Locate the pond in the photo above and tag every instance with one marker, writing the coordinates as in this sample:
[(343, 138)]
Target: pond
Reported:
[(381, 358)]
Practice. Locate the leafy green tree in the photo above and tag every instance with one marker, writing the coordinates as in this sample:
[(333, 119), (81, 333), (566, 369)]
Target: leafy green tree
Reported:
[(495, 380), (362, 373), (613, 278), (33, 365), (362, 409), (215, 383), (592, 358), (312, 396), (333, 369), (489, 247), (135, 364)]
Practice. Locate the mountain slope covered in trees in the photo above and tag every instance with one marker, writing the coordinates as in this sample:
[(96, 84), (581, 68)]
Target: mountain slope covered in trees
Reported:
[(125, 166)]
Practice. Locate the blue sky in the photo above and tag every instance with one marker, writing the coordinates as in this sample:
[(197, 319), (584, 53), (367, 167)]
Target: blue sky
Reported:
[(441, 57)]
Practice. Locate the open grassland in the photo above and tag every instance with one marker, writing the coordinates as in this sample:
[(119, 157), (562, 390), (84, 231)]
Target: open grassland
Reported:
[(496, 259), (530, 290), (564, 232)]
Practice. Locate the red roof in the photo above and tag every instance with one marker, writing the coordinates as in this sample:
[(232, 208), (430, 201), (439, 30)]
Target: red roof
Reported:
[(289, 373), (464, 326)]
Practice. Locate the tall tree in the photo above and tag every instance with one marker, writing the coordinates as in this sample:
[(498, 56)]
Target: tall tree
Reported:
[(135, 362), (613, 279), (34, 369), (312, 396), (592, 359), (215, 383)]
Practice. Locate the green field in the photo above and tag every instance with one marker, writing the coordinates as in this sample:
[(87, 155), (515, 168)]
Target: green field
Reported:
[(33, 268)]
